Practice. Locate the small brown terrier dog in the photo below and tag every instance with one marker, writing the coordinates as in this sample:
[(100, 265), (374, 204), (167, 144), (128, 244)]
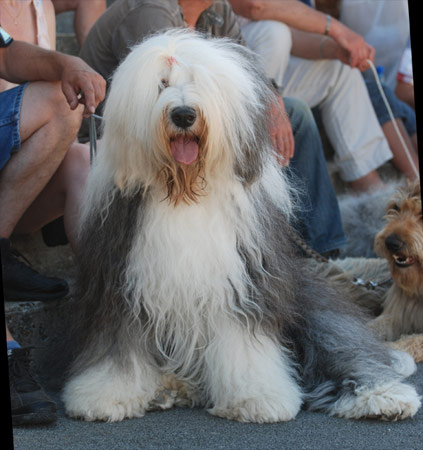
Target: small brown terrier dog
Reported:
[(401, 243)]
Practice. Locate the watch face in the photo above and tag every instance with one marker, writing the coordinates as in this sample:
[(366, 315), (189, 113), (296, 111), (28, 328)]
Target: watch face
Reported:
[(5, 38)]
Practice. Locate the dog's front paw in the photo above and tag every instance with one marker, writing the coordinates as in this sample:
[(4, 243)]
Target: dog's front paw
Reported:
[(394, 401), (103, 405), (105, 410), (103, 393), (258, 411)]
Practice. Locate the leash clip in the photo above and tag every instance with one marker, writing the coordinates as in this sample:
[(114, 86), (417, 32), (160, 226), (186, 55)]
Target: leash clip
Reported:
[(367, 284)]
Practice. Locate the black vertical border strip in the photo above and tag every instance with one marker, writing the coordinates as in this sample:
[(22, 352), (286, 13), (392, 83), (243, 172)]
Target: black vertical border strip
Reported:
[(413, 7)]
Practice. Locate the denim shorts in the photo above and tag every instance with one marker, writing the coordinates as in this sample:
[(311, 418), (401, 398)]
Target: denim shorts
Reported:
[(10, 107), (400, 109)]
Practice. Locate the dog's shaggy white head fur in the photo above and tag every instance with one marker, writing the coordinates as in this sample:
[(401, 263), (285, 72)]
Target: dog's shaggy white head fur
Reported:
[(165, 115)]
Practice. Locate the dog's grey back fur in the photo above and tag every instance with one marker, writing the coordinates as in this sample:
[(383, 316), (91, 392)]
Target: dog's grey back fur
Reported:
[(100, 307)]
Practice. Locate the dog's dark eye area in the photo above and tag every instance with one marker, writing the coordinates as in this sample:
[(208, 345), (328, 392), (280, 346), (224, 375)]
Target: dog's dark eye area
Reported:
[(163, 84), (393, 207)]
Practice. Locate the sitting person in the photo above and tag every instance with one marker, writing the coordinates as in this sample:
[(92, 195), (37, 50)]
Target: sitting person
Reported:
[(317, 62), (42, 171), (385, 25), (127, 22), (33, 22)]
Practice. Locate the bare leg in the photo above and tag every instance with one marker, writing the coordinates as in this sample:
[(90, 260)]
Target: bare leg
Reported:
[(62, 195), (47, 129), (400, 158)]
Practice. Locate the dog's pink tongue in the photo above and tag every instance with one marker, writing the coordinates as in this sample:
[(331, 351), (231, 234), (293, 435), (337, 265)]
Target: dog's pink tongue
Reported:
[(184, 149)]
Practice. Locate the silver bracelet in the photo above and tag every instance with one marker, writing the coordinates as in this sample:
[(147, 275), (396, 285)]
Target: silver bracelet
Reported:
[(328, 21)]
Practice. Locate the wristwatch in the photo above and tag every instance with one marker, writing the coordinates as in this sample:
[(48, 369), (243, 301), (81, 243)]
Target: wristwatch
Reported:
[(5, 38)]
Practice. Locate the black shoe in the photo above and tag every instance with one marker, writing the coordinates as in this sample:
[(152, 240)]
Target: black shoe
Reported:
[(30, 405), (54, 233), (22, 283)]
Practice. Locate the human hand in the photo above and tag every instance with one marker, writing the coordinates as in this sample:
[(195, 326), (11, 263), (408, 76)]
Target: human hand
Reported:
[(82, 85), (281, 132), (354, 50)]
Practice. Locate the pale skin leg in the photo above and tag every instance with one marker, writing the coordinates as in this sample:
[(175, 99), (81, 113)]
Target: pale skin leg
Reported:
[(62, 195), (400, 159)]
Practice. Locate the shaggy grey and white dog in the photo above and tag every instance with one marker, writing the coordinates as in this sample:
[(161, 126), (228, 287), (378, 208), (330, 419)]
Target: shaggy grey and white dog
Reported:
[(186, 267)]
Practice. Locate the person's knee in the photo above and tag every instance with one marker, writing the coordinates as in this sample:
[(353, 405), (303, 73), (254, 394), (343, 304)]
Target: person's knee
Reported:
[(44, 106), (48, 99)]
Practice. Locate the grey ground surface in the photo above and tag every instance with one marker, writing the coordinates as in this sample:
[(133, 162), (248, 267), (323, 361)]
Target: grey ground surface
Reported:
[(196, 429)]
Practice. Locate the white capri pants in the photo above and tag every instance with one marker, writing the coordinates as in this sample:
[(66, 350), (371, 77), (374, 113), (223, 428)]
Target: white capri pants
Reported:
[(338, 92)]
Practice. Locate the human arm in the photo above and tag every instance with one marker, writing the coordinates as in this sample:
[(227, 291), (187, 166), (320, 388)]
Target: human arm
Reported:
[(300, 16), (20, 62), (314, 46)]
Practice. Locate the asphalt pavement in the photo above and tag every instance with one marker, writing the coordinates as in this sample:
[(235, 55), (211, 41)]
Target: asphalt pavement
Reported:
[(189, 429)]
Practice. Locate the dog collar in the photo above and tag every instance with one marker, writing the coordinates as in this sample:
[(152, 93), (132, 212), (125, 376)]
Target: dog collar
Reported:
[(5, 38)]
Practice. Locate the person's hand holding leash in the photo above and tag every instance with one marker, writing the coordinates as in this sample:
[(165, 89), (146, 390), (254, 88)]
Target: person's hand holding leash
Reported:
[(354, 50), (82, 85), (21, 61)]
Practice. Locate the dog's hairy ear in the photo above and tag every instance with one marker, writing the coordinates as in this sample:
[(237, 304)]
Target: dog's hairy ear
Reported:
[(246, 172), (254, 151)]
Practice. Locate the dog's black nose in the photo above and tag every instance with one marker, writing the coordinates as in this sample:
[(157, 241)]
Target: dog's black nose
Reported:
[(394, 243), (183, 116)]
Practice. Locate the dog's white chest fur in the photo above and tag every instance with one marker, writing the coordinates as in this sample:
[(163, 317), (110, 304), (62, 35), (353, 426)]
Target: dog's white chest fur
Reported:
[(186, 245), (185, 260)]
